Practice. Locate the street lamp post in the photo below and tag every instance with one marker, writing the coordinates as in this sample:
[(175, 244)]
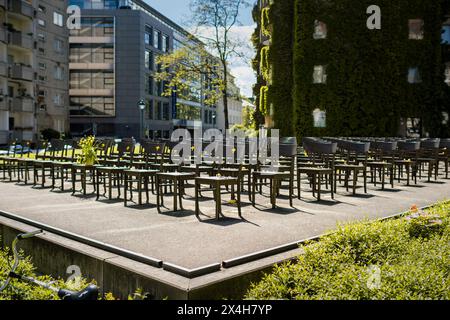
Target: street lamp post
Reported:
[(141, 106)]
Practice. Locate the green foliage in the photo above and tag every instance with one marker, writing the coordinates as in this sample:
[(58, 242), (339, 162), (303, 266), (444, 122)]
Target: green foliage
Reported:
[(367, 91), (265, 64), (183, 69), (265, 21), (49, 134), (340, 266), (19, 290), (425, 224), (88, 154), (264, 105)]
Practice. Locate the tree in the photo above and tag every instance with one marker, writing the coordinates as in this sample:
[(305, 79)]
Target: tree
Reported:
[(213, 22)]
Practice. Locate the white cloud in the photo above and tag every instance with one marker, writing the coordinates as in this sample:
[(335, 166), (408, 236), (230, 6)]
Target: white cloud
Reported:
[(240, 67)]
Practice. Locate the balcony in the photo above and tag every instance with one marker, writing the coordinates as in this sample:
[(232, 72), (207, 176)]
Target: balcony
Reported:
[(4, 137), (22, 105), (3, 35), (22, 72), (3, 104), (21, 40), (3, 69), (22, 8)]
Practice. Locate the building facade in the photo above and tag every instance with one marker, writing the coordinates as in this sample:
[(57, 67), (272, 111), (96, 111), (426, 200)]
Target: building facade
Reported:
[(33, 68), (234, 106), (322, 71), (112, 65)]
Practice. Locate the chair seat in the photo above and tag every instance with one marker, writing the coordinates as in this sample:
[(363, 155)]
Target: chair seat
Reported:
[(379, 164), (214, 180), (348, 167), (62, 164), (176, 175), (137, 171), (315, 170), (112, 169)]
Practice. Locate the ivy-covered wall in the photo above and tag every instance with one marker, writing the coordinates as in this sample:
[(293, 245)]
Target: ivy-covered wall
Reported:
[(367, 89)]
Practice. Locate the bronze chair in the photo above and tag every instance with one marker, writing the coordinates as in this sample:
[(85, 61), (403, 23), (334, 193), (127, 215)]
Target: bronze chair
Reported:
[(320, 169), (63, 162), (356, 163), (112, 176), (383, 154), (43, 164), (288, 151), (405, 160), (215, 183), (152, 153), (85, 171)]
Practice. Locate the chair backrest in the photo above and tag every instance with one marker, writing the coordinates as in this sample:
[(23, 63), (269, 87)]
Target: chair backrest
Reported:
[(430, 144), (57, 148), (41, 145), (153, 151), (445, 144)]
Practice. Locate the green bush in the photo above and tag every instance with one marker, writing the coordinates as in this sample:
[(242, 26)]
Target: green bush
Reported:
[(341, 265), (49, 134), (19, 290)]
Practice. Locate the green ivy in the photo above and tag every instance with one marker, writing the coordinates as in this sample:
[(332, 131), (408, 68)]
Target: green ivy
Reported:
[(265, 63), (264, 105), (367, 91), (265, 21)]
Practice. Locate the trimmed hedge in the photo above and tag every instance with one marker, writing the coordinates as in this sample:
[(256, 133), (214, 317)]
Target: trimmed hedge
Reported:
[(383, 260)]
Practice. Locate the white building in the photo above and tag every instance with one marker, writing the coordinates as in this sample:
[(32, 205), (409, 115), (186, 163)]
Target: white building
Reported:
[(235, 104)]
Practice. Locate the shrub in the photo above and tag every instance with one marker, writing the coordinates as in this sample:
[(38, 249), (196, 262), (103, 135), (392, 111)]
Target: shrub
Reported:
[(20, 290), (341, 265), (49, 134)]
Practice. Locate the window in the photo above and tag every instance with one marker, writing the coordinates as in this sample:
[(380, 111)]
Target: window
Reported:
[(58, 19), (41, 37), (148, 36), (165, 43), (41, 51), (159, 111), (320, 30), (149, 85), (58, 45), (320, 75), (445, 34), (57, 99), (150, 109), (157, 39), (58, 73), (445, 118), (447, 74), (166, 108), (41, 22), (414, 75), (416, 29), (149, 60), (42, 65), (41, 8), (320, 118)]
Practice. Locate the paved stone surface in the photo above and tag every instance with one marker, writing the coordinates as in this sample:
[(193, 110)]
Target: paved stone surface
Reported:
[(180, 238)]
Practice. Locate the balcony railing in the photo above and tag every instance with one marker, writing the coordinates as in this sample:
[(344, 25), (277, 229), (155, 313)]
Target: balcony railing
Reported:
[(21, 40), (3, 104), (3, 69), (3, 35), (22, 8), (22, 72), (22, 105), (5, 137)]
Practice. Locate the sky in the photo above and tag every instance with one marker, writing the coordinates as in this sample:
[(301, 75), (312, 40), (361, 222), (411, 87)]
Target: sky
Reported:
[(178, 11)]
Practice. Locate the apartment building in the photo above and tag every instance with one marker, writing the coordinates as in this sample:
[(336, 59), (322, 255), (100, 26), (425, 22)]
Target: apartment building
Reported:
[(112, 65), (33, 68), (235, 105)]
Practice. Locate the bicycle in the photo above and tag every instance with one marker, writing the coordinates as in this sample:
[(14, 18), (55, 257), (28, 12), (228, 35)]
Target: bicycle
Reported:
[(89, 293)]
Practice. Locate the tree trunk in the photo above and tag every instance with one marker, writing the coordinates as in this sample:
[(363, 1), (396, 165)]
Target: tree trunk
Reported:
[(225, 95)]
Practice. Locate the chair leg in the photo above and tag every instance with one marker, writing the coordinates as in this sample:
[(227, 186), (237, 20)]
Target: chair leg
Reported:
[(197, 209), (239, 202)]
